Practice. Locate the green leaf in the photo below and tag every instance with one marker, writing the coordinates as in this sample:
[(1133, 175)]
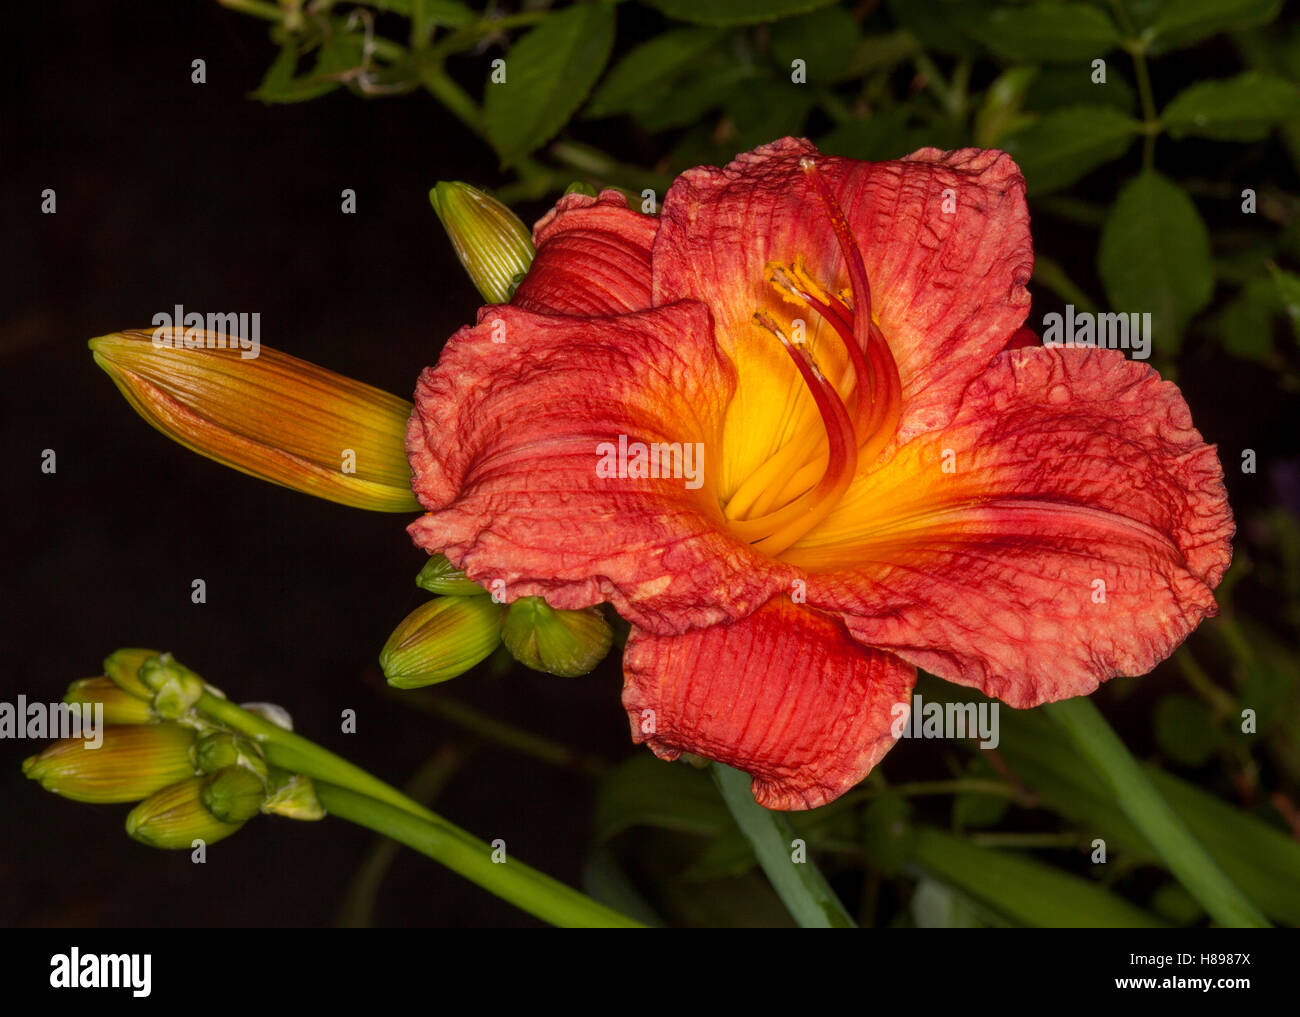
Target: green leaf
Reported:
[(1246, 323), (645, 77), (768, 109), (946, 26), (1155, 256), (548, 75), (887, 832), (436, 12), (1158, 819), (798, 882), (1288, 291), (825, 41), (280, 85), (1179, 23), (735, 12), (1069, 143), (1060, 85), (875, 138), (1050, 32), (645, 791), (1000, 112), (1026, 891), (1244, 108), (1185, 730), (708, 89)]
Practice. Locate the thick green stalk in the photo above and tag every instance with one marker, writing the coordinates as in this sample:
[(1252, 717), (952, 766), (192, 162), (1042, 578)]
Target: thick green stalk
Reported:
[(800, 885), (1151, 814), (367, 800), (522, 886)]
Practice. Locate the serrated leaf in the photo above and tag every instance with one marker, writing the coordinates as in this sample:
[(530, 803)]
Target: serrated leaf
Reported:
[(735, 12), (1050, 32), (548, 75), (1069, 143), (645, 76), (1178, 23), (1155, 256), (1244, 108)]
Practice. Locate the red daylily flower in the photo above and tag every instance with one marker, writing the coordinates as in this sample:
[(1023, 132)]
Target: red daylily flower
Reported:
[(911, 486)]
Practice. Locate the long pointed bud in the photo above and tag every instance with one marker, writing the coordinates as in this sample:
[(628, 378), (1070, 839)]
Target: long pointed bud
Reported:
[(440, 640), (273, 416), (120, 707), (490, 241), (131, 763)]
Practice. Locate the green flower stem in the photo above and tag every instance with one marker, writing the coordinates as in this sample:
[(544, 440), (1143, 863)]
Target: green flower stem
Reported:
[(801, 886), (1151, 814), (362, 798), (524, 887)]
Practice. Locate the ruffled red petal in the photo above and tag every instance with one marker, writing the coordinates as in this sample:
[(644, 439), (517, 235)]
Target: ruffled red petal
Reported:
[(506, 439), (945, 238), (593, 258), (785, 695), (1068, 526)]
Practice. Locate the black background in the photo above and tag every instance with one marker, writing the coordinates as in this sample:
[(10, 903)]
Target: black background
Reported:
[(172, 192)]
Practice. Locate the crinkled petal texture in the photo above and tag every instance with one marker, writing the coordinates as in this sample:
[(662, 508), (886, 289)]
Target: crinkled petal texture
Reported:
[(945, 239), (506, 439), (1067, 526), (593, 258), (786, 695)]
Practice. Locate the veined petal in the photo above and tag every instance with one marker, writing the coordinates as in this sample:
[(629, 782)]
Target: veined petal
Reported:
[(785, 695), (272, 416), (1067, 526), (945, 239), (510, 439), (593, 258)]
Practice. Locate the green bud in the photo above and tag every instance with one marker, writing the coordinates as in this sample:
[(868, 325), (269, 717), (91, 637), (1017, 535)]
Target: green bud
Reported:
[(233, 794), (218, 749), (120, 707), (441, 576), (440, 640), (565, 643), (130, 764), (176, 817), (490, 241), (175, 687), (295, 798), (123, 667), (581, 187)]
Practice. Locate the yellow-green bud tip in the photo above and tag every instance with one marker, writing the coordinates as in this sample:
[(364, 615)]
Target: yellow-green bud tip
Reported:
[(123, 668), (131, 763), (176, 817), (492, 243), (175, 687), (442, 577), (440, 640), (233, 794), (565, 643), (120, 706)]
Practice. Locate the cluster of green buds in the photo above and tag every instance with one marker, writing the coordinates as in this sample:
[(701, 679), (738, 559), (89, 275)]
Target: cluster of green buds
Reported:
[(464, 624), (194, 780)]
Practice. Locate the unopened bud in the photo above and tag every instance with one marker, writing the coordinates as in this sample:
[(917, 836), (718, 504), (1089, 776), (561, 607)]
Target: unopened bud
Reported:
[(490, 241), (175, 687), (442, 577), (233, 794), (218, 749), (440, 640), (123, 668), (175, 817), (565, 643), (131, 763), (120, 707), (295, 798)]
